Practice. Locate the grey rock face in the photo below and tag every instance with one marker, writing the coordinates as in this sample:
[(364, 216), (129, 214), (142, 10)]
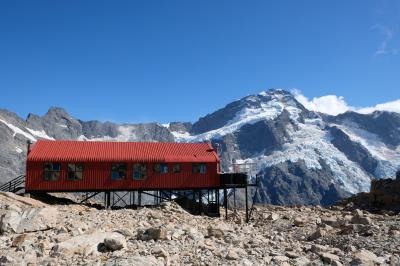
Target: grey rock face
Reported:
[(152, 132), (12, 146), (180, 126), (294, 183), (96, 129), (57, 123), (263, 136), (353, 150)]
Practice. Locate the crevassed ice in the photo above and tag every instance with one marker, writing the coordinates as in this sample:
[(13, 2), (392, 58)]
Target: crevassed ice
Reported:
[(312, 144), (388, 159)]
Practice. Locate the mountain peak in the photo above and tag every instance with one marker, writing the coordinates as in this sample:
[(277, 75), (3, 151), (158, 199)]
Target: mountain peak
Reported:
[(57, 111), (267, 105), (274, 91)]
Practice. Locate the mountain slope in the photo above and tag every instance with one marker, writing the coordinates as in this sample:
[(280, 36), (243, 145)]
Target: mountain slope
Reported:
[(303, 156)]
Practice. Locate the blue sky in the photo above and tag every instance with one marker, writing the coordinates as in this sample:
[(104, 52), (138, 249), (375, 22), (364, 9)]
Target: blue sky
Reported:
[(142, 61)]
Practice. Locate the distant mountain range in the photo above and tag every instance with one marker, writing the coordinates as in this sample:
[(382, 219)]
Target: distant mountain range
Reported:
[(304, 157)]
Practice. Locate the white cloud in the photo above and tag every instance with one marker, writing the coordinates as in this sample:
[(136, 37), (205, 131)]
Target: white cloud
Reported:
[(334, 105), (387, 35), (329, 104), (389, 106)]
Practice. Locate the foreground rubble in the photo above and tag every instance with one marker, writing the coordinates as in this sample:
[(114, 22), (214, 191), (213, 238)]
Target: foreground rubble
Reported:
[(79, 235)]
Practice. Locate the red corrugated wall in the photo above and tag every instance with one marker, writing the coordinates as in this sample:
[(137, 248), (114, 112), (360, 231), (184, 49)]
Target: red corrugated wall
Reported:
[(97, 177)]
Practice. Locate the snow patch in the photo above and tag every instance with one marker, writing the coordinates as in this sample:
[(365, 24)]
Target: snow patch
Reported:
[(18, 149), (181, 136), (17, 130), (126, 133), (40, 134), (82, 138)]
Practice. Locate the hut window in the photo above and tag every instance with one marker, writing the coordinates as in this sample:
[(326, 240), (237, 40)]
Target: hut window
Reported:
[(199, 168), (139, 171), (161, 168), (118, 171), (176, 168), (52, 171), (75, 171)]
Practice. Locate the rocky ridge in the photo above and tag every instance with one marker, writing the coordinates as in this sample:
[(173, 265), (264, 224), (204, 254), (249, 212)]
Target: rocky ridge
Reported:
[(303, 157), (298, 235)]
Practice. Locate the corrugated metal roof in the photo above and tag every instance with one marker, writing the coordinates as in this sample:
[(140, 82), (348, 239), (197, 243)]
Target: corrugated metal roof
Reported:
[(99, 151)]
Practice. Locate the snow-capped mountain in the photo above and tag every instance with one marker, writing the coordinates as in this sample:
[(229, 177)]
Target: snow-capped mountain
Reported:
[(303, 156)]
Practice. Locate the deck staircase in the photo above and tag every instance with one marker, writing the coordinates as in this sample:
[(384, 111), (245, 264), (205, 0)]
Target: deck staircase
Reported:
[(16, 185)]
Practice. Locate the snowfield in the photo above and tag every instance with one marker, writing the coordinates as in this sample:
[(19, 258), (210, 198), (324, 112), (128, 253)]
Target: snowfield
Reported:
[(17, 130)]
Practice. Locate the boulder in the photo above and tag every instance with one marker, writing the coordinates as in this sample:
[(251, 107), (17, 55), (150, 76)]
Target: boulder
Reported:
[(9, 221), (114, 242), (357, 212), (280, 259), (364, 257), (160, 252), (336, 263), (18, 241), (332, 221), (317, 234), (273, 217), (232, 255), (194, 234), (6, 260), (299, 222), (328, 257), (152, 233), (357, 219), (86, 244), (318, 249), (215, 232), (136, 260), (301, 261), (16, 201), (30, 220)]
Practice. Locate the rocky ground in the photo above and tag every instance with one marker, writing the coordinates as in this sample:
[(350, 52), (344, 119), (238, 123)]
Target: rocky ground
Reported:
[(35, 233)]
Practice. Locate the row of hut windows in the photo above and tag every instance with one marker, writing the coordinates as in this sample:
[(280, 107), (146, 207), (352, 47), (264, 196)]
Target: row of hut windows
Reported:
[(52, 171)]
